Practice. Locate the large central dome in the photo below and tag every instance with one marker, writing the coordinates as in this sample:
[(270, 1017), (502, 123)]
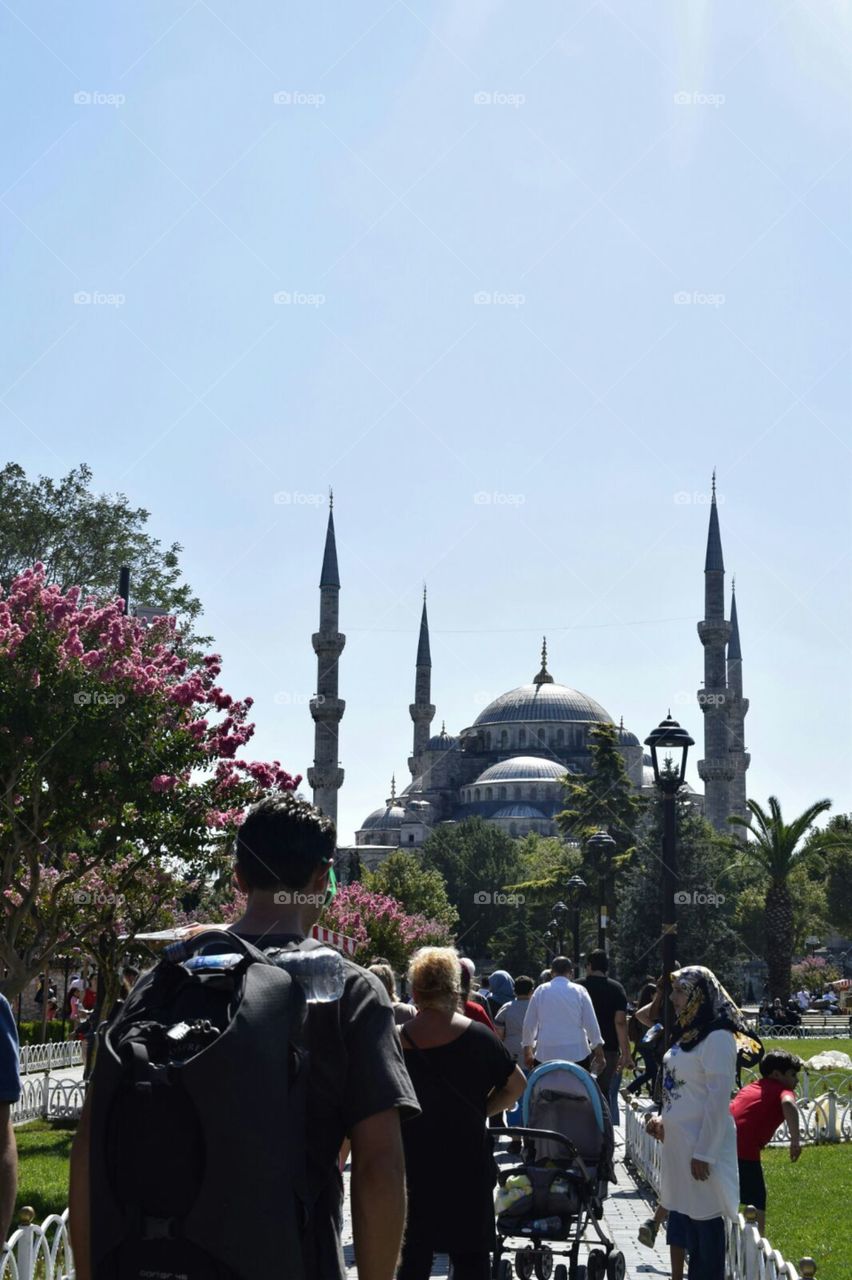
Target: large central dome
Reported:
[(531, 702)]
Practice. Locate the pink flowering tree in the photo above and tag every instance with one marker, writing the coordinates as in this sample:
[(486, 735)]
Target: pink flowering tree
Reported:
[(813, 974), (381, 927), (119, 771)]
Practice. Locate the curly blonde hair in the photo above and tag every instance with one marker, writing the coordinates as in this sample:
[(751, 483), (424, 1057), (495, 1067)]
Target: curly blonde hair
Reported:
[(434, 976)]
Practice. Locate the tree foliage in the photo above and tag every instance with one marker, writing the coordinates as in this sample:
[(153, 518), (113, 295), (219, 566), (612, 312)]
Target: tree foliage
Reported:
[(380, 926), (83, 538), (419, 889), (118, 765), (477, 862)]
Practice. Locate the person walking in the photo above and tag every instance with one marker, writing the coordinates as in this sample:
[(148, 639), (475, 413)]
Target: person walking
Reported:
[(699, 1184), (509, 1025), (610, 1004), (402, 1011), (461, 1074), (560, 1022), (473, 1009)]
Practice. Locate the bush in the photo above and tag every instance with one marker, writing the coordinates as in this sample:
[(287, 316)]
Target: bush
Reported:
[(30, 1032)]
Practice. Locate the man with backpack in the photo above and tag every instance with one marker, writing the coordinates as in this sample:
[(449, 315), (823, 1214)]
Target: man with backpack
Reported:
[(356, 1082)]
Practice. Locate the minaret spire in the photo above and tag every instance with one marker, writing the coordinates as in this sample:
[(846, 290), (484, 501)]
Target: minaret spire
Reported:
[(326, 777), (717, 768), (737, 711), (544, 676), (421, 710)]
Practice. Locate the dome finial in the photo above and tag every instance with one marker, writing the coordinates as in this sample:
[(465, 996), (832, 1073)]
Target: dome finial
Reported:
[(544, 676), (393, 789), (443, 728)]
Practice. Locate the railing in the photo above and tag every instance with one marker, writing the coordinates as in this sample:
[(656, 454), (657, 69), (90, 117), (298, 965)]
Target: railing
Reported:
[(48, 1057), (812, 1083), (36, 1252), (749, 1255), (43, 1098)]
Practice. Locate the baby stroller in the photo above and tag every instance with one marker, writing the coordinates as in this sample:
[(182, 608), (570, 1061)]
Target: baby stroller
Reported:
[(557, 1192)]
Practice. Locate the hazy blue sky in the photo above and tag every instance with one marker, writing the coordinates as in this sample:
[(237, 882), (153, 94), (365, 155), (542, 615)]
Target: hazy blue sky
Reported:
[(584, 167)]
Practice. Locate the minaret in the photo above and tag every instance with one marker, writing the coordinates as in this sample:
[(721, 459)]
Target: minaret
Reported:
[(544, 676), (737, 711), (326, 777), (421, 709), (717, 768)]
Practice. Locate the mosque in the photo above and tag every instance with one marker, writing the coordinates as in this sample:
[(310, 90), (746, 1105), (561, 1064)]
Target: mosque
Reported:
[(509, 765)]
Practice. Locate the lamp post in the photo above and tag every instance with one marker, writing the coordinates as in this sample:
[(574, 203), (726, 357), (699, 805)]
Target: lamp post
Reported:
[(601, 846), (574, 889), (557, 926), (673, 742)]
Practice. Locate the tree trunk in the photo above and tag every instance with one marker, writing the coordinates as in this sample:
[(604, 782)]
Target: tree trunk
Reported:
[(779, 940)]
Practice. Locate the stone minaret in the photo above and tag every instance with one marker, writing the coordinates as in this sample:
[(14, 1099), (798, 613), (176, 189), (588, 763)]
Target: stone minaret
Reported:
[(737, 710), (421, 709), (717, 768), (327, 708)]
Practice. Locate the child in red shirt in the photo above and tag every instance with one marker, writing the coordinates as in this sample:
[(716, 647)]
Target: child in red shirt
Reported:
[(758, 1110)]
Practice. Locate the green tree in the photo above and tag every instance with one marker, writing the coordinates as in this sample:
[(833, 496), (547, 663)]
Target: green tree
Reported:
[(778, 848), (419, 889), (83, 538), (604, 798), (477, 862), (837, 867), (707, 932)]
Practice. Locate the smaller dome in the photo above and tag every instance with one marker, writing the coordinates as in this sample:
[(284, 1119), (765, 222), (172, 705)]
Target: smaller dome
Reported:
[(442, 741), (524, 769), (389, 816), (627, 739), (519, 811)]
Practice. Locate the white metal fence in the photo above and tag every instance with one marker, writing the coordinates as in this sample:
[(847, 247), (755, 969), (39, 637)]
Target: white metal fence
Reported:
[(749, 1255), (36, 1252), (49, 1057), (43, 1098)]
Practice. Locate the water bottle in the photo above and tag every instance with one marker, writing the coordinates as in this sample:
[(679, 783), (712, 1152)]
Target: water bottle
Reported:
[(319, 972), (543, 1226)]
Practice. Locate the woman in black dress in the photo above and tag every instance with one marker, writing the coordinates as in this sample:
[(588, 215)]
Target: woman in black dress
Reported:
[(462, 1074)]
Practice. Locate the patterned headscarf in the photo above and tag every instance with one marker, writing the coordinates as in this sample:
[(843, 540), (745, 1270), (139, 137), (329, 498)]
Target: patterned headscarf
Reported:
[(710, 1008)]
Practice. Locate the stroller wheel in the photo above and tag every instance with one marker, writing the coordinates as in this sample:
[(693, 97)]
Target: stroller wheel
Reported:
[(578, 1272), (525, 1262), (503, 1270), (544, 1263), (596, 1265), (560, 1272), (616, 1268)]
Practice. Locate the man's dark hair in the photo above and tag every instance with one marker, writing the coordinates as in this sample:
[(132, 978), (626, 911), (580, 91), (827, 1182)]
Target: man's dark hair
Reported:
[(523, 985), (779, 1060), (560, 966), (545, 976), (282, 843), (597, 960)]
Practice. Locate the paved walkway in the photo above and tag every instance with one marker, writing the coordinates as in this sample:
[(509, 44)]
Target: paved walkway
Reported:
[(628, 1205)]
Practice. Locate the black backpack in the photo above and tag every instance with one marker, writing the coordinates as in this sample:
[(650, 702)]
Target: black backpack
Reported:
[(197, 1147)]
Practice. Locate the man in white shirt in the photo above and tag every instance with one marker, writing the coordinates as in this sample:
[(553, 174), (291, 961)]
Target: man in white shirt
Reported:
[(560, 1022), (804, 1000)]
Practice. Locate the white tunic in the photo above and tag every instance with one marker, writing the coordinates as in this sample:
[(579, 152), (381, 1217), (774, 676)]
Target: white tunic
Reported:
[(698, 1125)]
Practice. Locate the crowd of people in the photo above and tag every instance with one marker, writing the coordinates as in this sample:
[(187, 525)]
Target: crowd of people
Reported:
[(407, 1089)]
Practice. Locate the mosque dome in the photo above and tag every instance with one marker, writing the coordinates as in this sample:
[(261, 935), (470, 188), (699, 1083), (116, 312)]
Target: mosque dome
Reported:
[(520, 811), (523, 769), (390, 816), (442, 741), (543, 700)]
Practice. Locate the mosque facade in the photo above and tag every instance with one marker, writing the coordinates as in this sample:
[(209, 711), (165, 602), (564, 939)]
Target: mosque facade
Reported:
[(509, 765)]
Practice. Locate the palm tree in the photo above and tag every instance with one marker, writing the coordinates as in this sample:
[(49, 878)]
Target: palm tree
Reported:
[(779, 847)]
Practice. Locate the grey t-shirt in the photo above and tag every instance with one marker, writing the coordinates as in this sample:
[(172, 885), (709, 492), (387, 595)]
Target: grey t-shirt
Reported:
[(511, 1016)]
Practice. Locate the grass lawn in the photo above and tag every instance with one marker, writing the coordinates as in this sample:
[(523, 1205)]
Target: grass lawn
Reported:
[(807, 1208), (44, 1149)]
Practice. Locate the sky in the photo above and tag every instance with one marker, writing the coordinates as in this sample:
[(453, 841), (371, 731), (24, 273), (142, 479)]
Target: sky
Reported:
[(513, 280)]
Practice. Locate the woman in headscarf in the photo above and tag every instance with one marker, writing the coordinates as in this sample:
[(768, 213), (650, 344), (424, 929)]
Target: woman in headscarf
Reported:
[(501, 989), (699, 1183)]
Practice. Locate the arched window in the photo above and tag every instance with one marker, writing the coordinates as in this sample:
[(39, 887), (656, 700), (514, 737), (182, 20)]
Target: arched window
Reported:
[(533, 793), (518, 792), (487, 793), (504, 739), (522, 737), (411, 837), (560, 737), (488, 742), (502, 793)]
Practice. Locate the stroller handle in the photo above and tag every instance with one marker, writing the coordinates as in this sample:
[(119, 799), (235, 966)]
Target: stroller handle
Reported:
[(518, 1131)]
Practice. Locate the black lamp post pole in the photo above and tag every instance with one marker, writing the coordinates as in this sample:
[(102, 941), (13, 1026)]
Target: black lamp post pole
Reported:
[(669, 906), (576, 939)]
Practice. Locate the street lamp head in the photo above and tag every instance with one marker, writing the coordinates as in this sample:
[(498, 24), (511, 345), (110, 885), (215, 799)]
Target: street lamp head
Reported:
[(673, 743), (601, 844), (575, 888)]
